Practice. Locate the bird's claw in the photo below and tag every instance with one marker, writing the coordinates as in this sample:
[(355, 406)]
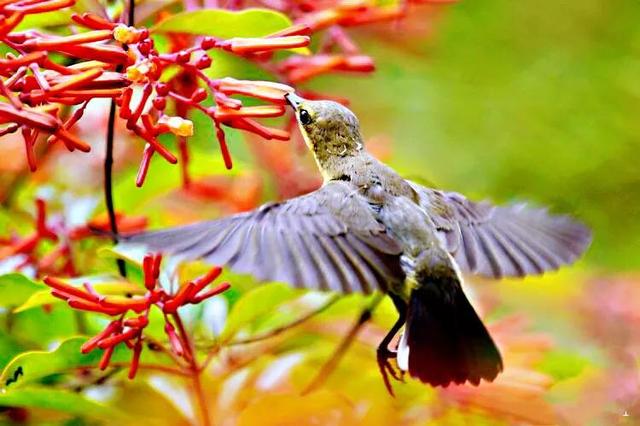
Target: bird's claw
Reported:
[(387, 369)]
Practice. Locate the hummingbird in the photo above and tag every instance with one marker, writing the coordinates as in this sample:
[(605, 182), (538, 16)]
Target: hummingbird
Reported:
[(368, 229)]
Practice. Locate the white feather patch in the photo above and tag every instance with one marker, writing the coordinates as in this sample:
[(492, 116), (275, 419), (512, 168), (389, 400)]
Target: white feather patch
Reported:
[(403, 353)]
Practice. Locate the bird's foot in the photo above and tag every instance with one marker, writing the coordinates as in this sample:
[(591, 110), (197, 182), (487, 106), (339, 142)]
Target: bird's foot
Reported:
[(388, 369)]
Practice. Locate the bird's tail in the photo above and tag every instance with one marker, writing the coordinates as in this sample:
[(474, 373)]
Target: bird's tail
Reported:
[(444, 339)]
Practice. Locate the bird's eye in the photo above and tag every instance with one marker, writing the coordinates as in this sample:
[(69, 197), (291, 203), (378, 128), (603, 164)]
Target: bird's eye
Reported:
[(305, 117)]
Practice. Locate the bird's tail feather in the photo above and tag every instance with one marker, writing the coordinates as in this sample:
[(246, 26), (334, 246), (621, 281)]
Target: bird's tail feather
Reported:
[(444, 339)]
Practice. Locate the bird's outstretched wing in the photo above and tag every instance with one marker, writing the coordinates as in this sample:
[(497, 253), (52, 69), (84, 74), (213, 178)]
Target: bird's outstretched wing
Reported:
[(325, 240), (510, 241)]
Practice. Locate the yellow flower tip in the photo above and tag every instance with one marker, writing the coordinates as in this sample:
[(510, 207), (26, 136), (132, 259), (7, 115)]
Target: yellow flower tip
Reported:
[(125, 34), (138, 72), (179, 126)]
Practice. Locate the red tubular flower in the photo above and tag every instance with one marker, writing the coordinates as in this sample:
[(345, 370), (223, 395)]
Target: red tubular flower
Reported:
[(261, 111), (129, 330), (257, 128), (106, 357), (126, 224), (92, 343), (71, 141), (139, 322), (179, 299), (135, 359), (210, 293), (29, 141), (77, 80), (303, 68), (157, 146), (294, 30), (93, 22), (10, 22), (30, 118), (252, 45), (174, 340), (265, 90), (72, 40), (31, 7), (114, 339), (224, 149), (11, 64), (97, 52), (320, 20)]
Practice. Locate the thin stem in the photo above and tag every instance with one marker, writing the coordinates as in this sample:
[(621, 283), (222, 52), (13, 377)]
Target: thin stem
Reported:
[(132, 12), (213, 351), (108, 182), (194, 370), (155, 367), (81, 322), (108, 162), (286, 327), (159, 347)]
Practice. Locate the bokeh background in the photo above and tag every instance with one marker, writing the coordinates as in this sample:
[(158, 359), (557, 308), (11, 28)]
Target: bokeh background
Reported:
[(502, 100)]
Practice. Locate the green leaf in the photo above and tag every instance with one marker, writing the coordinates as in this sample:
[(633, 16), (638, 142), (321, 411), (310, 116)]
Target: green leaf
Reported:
[(225, 23), (58, 400), (227, 64), (254, 304), (44, 20), (29, 367), (39, 298), (15, 289), (32, 366), (38, 328), (9, 347)]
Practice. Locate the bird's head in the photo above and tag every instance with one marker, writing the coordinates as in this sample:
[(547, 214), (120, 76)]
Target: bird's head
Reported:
[(329, 129)]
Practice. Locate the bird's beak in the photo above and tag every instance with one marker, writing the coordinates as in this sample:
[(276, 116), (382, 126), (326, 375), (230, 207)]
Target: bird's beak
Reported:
[(294, 100)]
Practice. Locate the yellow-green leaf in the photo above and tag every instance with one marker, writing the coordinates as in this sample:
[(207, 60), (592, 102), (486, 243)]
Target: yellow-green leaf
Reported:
[(59, 400), (16, 288), (225, 23), (254, 304), (31, 366)]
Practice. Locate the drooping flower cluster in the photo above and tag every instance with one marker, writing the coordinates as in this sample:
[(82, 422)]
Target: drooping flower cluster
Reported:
[(112, 60), (133, 313)]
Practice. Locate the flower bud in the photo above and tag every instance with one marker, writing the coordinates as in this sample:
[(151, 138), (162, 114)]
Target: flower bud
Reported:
[(178, 125), (162, 89), (159, 103), (139, 72), (208, 43), (127, 35), (145, 46), (199, 95), (203, 62), (183, 57)]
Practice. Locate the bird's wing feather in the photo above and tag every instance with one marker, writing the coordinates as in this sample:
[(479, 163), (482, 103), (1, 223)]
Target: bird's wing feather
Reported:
[(510, 241), (326, 240)]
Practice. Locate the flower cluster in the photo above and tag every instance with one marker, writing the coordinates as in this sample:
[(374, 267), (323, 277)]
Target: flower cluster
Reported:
[(119, 62), (26, 253), (112, 61), (133, 313)]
